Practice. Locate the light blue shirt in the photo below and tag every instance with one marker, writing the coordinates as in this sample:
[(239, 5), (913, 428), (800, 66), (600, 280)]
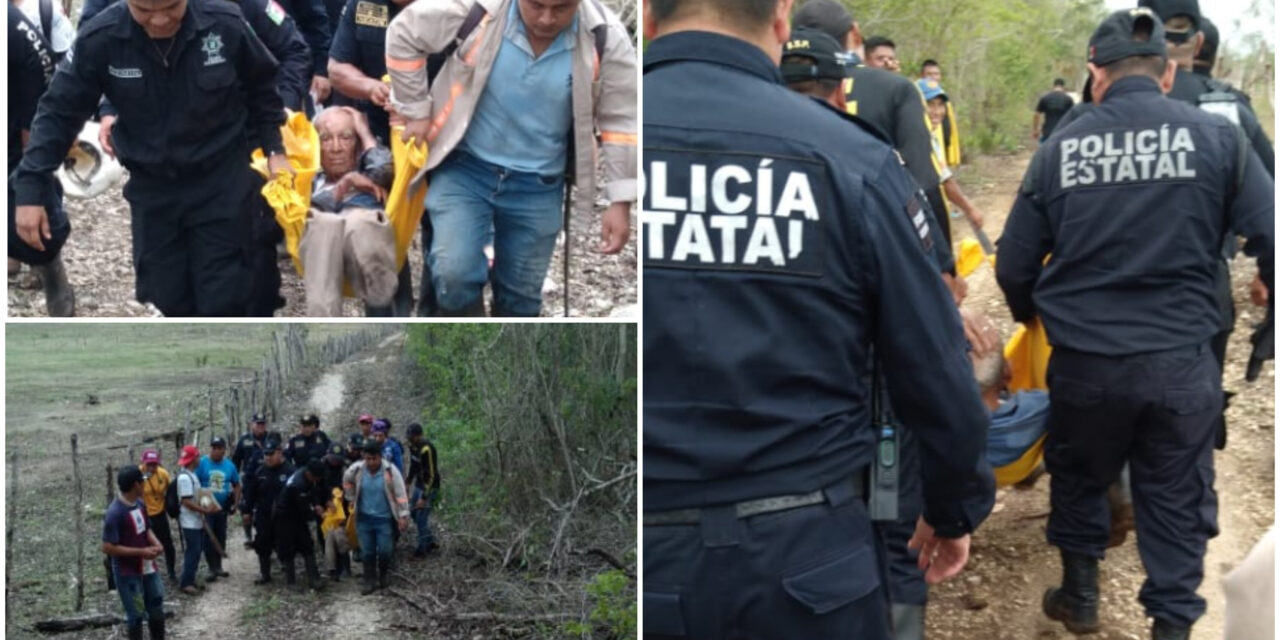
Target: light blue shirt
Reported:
[(373, 495), (218, 477), (524, 114), (1016, 424)]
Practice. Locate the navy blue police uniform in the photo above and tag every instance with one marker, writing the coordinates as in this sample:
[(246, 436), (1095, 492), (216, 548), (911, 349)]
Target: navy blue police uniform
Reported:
[(261, 495), (302, 449), (775, 255), (312, 18), (247, 456), (293, 513), (187, 112), (1131, 201), (31, 66)]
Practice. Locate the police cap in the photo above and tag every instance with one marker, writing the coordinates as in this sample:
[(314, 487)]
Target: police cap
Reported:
[(310, 419), (1114, 39), (272, 445), (1169, 9), (337, 453), (258, 418), (826, 53), (218, 441), (827, 16)]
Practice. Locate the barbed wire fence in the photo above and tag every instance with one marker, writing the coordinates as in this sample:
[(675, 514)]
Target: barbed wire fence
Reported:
[(224, 409)]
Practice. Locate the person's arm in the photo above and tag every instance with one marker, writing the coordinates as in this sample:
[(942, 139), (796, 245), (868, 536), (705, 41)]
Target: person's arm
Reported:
[(257, 70), (280, 34), (419, 30), (1021, 249), (121, 551), (188, 498), (616, 120), (28, 75), (1252, 215), (920, 344), (957, 196)]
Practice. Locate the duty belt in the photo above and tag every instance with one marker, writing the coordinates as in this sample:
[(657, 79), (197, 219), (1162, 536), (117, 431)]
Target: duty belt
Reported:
[(760, 506)]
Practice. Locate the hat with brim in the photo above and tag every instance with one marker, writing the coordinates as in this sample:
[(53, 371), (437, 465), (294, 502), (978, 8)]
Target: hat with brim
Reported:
[(189, 454), (825, 59), (1114, 39)]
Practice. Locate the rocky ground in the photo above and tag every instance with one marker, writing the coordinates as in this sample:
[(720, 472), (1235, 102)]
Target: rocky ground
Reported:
[(99, 264), (998, 595)]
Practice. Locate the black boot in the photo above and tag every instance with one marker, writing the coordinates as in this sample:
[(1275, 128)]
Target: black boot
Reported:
[(135, 631), (313, 573), (59, 296), (264, 570), (290, 572), (157, 629), (384, 573), (1075, 603), (908, 621), (1163, 630), (370, 577)]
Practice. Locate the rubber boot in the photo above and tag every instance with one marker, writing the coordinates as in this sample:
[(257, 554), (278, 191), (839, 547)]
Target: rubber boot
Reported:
[(908, 621), (157, 629), (1075, 603), (370, 577), (1163, 630), (384, 573), (290, 572), (134, 631), (264, 570), (59, 296)]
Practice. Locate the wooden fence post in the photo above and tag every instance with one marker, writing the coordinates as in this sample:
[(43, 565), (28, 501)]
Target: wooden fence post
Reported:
[(12, 522), (75, 470)]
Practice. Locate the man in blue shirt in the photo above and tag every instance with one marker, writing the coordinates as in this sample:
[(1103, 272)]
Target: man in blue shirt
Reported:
[(218, 474)]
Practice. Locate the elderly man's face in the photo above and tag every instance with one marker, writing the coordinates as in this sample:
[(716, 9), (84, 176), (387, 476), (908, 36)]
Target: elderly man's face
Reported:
[(338, 143)]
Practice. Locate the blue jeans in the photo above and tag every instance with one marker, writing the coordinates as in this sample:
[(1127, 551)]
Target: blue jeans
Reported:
[(467, 198), (375, 537), (191, 557), (420, 517), (142, 596), (217, 523)]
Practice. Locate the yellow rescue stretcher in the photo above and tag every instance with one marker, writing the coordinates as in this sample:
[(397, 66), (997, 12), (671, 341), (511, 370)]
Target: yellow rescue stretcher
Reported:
[(290, 196)]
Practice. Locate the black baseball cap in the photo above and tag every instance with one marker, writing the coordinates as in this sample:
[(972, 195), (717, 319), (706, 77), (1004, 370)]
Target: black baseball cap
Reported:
[(414, 429), (1113, 40), (337, 453), (271, 446), (218, 441), (372, 446), (827, 16), (356, 439), (310, 419), (127, 477), (258, 418), (827, 56), (1169, 9)]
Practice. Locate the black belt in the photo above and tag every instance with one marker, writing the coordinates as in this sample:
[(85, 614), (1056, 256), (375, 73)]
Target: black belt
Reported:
[(760, 506)]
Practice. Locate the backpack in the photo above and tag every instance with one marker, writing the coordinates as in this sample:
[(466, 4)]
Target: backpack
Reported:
[(172, 505), (436, 61)]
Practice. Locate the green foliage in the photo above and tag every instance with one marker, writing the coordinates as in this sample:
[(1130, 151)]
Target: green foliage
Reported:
[(997, 56), (613, 613)]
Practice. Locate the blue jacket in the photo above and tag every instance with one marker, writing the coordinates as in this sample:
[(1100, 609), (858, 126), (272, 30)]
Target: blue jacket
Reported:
[(1133, 200), (780, 243)]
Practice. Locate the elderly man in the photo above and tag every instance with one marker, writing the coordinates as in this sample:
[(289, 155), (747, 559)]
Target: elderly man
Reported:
[(521, 102), (348, 234)]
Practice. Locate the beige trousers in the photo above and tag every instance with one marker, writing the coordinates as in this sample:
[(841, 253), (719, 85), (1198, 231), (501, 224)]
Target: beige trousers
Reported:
[(357, 245)]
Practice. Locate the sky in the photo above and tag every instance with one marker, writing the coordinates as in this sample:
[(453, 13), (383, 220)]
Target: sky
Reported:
[(1233, 17)]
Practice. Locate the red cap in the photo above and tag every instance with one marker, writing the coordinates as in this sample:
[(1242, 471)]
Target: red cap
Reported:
[(149, 456), (189, 454), (366, 418)]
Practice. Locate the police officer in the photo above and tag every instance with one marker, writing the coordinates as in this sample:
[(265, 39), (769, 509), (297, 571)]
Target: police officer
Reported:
[(773, 235), (888, 101), (298, 506), (248, 457), (312, 17), (357, 62), (310, 444), (192, 84), (260, 495), (1128, 303), (31, 64)]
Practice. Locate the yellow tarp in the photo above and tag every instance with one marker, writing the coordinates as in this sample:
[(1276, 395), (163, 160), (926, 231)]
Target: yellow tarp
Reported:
[(290, 196), (1028, 355), (953, 149)]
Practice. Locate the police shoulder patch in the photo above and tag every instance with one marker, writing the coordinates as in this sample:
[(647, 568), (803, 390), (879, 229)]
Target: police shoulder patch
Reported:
[(919, 221), (371, 14), (275, 12)]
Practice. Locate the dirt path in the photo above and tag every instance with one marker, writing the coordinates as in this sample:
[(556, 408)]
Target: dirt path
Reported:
[(998, 597)]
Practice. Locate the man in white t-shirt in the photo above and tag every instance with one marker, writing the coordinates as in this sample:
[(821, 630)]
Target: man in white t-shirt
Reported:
[(191, 517)]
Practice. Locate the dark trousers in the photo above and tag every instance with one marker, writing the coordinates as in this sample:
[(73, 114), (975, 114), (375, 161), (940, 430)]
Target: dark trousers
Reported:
[(810, 572), (1157, 412), (191, 555), (906, 580), (160, 526), (59, 227), (264, 539), (191, 238), (218, 524), (264, 264)]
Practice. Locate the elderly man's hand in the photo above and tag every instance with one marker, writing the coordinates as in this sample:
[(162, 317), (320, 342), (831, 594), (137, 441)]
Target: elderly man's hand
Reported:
[(278, 162), (32, 224), (104, 134), (981, 335), (615, 227), (359, 182), (1258, 291), (361, 123), (415, 129)]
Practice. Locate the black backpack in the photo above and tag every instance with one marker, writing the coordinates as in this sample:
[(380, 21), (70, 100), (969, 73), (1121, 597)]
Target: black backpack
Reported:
[(172, 505)]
